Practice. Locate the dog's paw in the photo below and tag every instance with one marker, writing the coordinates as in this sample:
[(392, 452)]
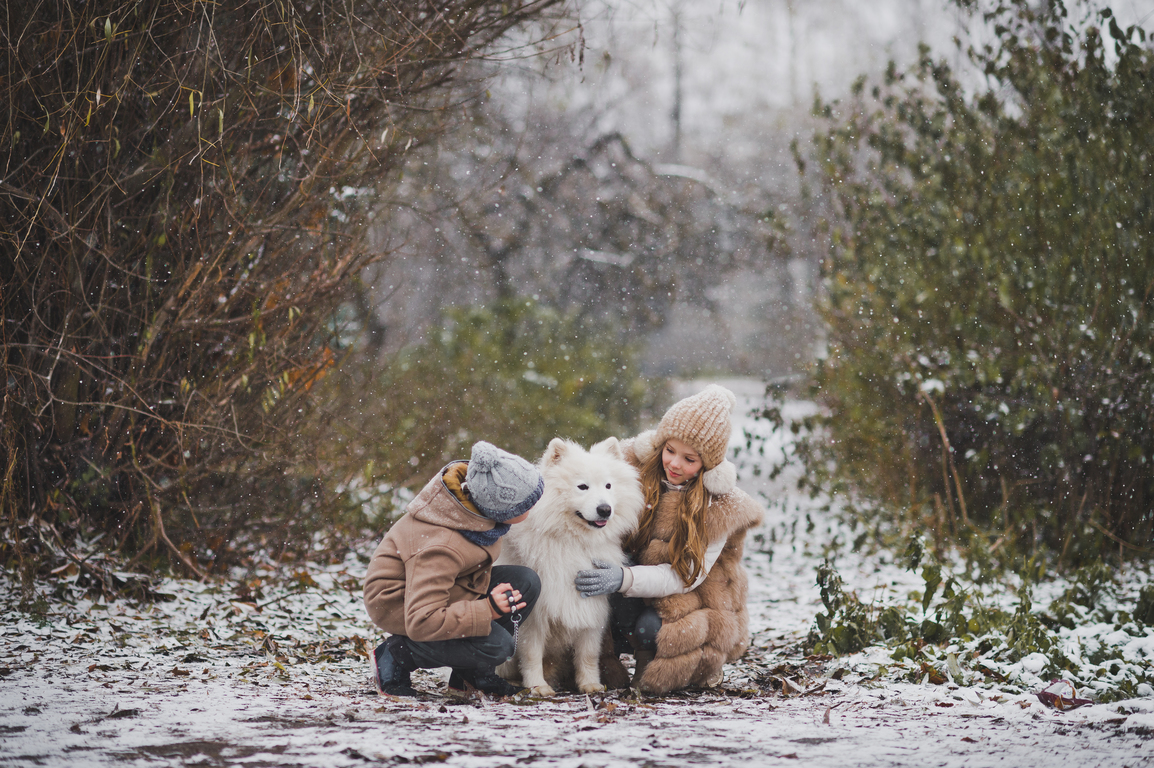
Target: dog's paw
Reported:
[(592, 688), (542, 690)]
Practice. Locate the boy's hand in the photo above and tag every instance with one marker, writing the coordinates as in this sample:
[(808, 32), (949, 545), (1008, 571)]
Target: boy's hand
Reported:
[(503, 599)]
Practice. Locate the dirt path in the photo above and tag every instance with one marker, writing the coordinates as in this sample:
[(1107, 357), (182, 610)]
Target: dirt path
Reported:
[(269, 670), (61, 715), (279, 679)]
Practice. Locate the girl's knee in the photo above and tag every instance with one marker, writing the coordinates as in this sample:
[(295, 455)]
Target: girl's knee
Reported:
[(646, 629)]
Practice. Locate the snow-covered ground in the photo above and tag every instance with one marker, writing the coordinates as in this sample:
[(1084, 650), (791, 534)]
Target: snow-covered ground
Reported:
[(274, 675)]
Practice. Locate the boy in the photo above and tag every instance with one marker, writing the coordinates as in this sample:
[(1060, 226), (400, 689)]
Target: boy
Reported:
[(430, 580)]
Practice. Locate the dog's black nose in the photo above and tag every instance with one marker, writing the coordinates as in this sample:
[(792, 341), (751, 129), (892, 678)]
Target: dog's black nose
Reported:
[(604, 511)]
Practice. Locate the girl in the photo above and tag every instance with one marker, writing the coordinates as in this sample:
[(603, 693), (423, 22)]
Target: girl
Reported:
[(681, 609)]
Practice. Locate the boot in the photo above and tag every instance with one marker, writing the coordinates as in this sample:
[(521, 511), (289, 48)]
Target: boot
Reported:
[(486, 680), (390, 666), (642, 659)]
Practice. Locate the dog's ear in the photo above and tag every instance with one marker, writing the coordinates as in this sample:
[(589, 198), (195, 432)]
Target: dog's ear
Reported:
[(609, 447), (555, 452)]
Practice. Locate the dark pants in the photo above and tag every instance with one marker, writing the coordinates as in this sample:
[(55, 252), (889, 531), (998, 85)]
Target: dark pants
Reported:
[(482, 652), (633, 623)]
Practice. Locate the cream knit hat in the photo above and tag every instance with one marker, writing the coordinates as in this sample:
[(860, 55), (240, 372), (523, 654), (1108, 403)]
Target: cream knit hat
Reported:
[(702, 422)]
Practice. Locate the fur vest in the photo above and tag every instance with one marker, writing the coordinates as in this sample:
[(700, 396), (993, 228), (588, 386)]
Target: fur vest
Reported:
[(703, 629)]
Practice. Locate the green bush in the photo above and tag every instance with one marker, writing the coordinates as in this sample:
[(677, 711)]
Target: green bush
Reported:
[(848, 625), (516, 374), (954, 630), (990, 287)]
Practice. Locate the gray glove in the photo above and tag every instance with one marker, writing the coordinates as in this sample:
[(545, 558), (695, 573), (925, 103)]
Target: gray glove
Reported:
[(607, 578)]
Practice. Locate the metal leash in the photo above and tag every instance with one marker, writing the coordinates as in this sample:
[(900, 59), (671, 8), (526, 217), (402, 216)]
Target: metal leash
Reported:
[(515, 617)]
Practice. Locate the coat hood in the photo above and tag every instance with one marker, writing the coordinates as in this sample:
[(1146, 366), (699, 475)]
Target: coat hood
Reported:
[(436, 504)]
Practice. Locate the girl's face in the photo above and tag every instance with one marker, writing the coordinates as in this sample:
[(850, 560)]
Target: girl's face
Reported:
[(681, 463)]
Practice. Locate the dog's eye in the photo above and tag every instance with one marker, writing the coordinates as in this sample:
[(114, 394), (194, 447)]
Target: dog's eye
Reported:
[(609, 485), (582, 487)]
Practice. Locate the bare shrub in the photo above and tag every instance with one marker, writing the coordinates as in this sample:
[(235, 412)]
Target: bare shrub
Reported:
[(185, 193)]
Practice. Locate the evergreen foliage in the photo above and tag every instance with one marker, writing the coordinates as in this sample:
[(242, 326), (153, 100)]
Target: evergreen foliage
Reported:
[(990, 290), (516, 374), (953, 633)]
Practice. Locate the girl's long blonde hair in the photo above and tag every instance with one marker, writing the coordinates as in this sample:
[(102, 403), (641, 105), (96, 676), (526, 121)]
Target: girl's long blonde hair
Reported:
[(688, 544)]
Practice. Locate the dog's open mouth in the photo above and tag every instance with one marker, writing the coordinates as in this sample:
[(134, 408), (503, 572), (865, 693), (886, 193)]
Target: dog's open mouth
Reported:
[(594, 523)]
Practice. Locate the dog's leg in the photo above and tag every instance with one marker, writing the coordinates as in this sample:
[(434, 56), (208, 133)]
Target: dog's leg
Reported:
[(510, 670), (586, 661), (531, 657), (614, 676)]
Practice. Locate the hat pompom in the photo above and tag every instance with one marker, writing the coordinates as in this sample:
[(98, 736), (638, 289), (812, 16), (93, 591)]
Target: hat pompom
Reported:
[(484, 456), (716, 390), (721, 479)]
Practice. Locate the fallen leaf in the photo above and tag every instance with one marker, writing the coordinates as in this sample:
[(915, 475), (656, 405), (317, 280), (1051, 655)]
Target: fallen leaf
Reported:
[(993, 675), (116, 714), (1062, 696), (350, 752), (933, 675)]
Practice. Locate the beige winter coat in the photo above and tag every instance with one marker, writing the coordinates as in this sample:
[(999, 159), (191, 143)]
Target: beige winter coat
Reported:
[(702, 629), (425, 580)]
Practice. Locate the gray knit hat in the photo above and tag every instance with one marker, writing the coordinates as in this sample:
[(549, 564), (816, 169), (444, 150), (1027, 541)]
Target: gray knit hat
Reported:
[(501, 484)]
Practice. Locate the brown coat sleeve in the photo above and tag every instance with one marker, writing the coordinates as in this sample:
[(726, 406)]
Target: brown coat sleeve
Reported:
[(429, 612)]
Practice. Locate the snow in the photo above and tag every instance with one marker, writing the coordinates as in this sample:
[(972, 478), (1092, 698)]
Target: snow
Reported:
[(1035, 663), (276, 676)]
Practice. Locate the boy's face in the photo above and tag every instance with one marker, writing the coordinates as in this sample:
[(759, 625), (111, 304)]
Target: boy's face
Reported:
[(519, 518)]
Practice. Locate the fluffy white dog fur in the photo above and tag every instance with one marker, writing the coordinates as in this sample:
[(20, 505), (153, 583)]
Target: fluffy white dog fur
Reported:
[(592, 501)]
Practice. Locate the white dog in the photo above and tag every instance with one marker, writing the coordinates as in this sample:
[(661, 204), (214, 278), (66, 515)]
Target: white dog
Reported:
[(592, 500)]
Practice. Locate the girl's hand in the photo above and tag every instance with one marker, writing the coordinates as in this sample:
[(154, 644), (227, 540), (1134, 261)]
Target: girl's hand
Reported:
[(503, 599), (603, 579)]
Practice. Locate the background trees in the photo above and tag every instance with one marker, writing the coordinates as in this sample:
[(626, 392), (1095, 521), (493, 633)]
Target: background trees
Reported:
[(572, 218), (990, 283), (185, 197), (210, 211)]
